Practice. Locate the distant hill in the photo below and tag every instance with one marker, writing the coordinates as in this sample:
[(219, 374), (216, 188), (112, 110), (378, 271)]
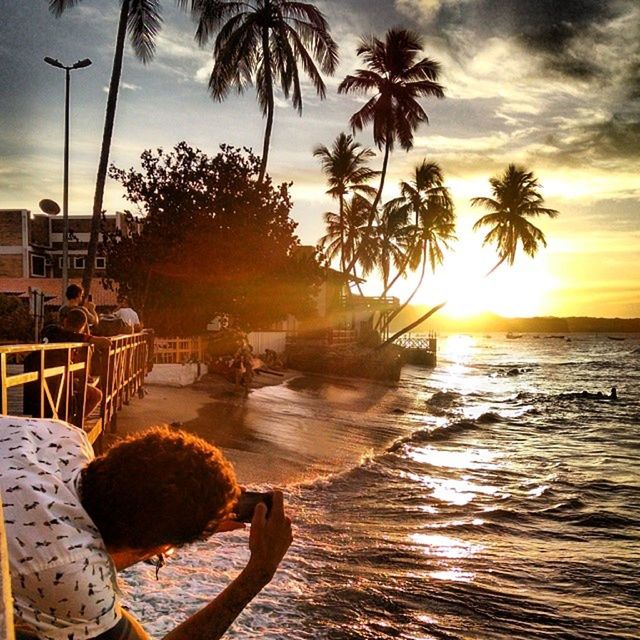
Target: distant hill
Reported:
[(489, 322)]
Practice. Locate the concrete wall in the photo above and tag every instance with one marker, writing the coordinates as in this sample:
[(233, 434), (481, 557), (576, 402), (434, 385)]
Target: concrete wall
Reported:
[(175, 375)]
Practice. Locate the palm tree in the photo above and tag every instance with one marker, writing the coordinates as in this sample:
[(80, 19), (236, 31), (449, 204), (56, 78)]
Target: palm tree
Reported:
[(345, 166), (426, 202), (142, 20), (264, 41), (346, 234), (516, 196), (398, 79)]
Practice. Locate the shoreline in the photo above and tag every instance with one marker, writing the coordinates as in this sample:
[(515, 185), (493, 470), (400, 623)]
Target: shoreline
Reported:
[(274, 436)]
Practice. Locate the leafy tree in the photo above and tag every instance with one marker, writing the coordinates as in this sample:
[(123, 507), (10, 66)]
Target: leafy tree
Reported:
[(212, 241), (516, 197), (398, 78), (141, 20), (265, 41), (17, 323), (345, 166)]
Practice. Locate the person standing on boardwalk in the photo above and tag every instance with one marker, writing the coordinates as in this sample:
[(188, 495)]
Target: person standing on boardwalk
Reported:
[(73, 520)]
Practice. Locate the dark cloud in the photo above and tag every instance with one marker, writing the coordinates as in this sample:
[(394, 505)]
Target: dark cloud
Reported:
[(551, 29)]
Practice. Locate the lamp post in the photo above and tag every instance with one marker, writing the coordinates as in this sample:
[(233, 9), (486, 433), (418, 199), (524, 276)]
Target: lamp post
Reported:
[(65, 192)]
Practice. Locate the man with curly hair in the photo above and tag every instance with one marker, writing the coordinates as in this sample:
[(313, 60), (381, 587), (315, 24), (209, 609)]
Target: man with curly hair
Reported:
[(73, 520)]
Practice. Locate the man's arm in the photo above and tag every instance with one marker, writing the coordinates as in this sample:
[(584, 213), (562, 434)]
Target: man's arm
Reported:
[(90, 310), (269, 540)]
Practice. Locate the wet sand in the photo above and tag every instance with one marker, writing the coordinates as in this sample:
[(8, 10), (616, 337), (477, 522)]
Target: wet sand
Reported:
[(290, 429)]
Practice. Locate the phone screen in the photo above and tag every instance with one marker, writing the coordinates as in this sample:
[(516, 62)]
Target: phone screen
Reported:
[(247, 503)]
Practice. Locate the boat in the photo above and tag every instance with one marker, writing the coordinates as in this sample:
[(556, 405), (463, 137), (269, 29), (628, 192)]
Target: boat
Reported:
[(513, 336), (615, 338)]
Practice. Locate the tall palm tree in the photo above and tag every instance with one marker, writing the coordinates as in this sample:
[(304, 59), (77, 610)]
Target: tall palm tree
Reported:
[(516, 197), (142, 20), (398, 78), (425, 205), (345, 166), (263, 41)]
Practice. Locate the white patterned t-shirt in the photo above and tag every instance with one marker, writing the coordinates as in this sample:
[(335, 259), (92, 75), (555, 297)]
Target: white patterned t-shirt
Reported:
[(62, 578)]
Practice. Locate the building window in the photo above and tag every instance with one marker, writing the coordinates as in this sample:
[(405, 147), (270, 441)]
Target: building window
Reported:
[(78, 262), (38, 266), (61, 262), (101, 262)]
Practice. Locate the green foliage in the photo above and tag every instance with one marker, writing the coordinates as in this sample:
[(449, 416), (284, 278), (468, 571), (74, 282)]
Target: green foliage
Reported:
[(212, 241), (17, 324)]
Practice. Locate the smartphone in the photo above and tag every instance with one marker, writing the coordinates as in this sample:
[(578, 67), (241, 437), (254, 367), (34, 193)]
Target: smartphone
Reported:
[(247, 502)]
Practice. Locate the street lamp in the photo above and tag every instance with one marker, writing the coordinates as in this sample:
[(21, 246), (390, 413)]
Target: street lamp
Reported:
[(65, 194)]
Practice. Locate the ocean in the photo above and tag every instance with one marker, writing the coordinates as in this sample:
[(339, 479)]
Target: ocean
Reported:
[(489, 500)]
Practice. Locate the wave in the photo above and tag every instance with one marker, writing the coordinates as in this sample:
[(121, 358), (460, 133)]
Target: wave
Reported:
[(444, 399)]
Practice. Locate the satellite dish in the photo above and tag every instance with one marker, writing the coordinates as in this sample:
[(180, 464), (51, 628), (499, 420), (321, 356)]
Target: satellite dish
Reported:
[(50, 207)]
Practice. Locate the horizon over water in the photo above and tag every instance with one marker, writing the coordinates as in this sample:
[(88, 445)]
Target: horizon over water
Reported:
[(500, 508)]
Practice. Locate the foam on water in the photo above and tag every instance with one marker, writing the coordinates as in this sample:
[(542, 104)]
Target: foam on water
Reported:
[(488, 506)]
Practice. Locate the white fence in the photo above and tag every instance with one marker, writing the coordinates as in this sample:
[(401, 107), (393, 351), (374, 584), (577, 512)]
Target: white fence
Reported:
[(263, 340)]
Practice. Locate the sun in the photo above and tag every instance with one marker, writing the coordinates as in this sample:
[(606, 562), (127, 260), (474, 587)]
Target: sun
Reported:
[(521, 290)]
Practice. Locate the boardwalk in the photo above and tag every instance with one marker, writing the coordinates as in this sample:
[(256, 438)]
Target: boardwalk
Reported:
[(58, 376)]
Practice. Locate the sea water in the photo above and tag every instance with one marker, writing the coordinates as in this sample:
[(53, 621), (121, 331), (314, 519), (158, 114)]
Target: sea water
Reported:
[(502, 505)]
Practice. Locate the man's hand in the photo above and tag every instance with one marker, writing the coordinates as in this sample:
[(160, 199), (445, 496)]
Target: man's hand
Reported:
[(269, 539)]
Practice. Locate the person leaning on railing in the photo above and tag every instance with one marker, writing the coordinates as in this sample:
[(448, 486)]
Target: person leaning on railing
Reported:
[(74, 329), (74, 520)]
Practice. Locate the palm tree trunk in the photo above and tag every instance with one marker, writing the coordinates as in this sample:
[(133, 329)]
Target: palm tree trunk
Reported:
[(109, 120), (266, 61), (413, 293), (341, 214), (413, 325), (376, 201)]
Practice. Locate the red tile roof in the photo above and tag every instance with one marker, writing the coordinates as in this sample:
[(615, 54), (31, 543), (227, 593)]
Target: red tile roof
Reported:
[(52, 288)]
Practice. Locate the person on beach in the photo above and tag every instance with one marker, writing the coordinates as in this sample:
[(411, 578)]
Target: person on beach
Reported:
[(75, 299), (73, 520)]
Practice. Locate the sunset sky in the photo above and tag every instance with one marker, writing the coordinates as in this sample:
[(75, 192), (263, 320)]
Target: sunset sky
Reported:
[(551, 84)]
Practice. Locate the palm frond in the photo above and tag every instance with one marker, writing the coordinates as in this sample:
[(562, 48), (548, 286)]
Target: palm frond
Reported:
[(58, 7), (143, 24)]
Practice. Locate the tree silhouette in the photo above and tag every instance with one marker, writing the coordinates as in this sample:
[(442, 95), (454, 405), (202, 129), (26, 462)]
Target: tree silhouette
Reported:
[(426, 208), (345, 166), (141, 19), (398, 79), (516, 197), (263, 42)]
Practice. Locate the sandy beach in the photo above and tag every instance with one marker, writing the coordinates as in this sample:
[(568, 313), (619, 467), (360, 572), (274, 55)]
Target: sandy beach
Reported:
[(267, 435)]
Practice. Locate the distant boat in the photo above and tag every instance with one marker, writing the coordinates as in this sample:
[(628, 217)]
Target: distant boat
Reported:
[(513, 336), (556, 337), (615, 338)]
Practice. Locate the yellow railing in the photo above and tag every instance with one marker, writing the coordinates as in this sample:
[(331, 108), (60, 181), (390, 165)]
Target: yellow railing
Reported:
[(179, 350), (50, 380)]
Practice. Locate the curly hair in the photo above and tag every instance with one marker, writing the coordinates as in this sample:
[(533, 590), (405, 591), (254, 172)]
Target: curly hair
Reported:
[(158, 487)]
